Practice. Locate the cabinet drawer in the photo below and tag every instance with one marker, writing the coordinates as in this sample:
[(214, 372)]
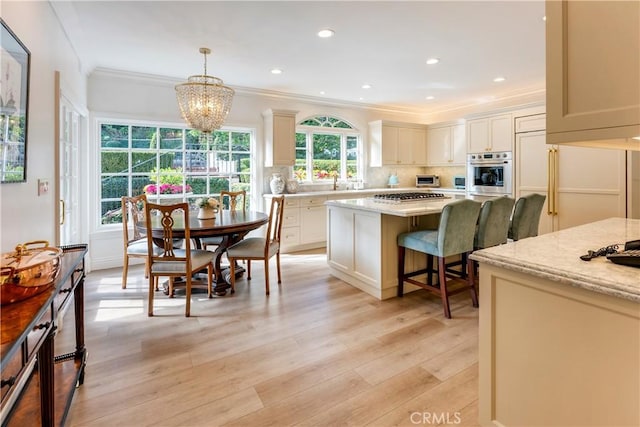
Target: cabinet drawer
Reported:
[(290, 236), (291, 217), (10, 372), (291, 203), (312, 201), (40, 331)]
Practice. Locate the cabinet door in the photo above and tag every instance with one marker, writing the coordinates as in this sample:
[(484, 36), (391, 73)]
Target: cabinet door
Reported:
[(458, 146), (412, 146), (280, 137), (478, 135), (340, 250), (501, 133), (532, 172), (591, 185), (389, 145), (313, 224), (439, 146), (587, 100)]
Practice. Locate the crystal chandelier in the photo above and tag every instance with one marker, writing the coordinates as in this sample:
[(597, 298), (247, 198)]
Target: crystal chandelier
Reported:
[(204, 100)]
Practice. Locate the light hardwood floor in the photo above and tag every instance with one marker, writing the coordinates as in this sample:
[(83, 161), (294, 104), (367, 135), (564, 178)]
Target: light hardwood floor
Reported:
[(316, 352)]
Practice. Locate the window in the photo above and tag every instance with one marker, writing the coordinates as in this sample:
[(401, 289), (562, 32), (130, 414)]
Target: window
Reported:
[(170, 164), (327, 147)]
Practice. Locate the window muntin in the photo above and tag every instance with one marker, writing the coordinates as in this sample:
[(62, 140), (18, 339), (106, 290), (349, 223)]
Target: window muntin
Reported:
[(180, 164), (327, 147)]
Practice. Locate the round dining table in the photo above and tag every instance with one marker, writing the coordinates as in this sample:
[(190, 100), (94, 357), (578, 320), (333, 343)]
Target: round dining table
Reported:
[(231, 226)]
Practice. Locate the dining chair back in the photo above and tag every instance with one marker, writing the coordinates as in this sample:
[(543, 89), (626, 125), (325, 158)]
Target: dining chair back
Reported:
[(261, 248), (454, 236), (174, 262), (135, 242), (228, 199), (526, 216)]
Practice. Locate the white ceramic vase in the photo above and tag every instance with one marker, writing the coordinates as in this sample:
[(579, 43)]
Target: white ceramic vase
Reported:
[(206, 213), (276, 183), (292, 186)]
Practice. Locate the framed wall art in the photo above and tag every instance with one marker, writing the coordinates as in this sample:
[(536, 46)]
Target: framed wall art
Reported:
[(15, 61)]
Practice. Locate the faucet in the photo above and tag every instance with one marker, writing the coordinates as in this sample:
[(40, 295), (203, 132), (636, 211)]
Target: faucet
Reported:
[(335, 182)]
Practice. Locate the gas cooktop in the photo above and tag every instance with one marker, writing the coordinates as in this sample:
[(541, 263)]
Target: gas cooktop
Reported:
[(408, 197)]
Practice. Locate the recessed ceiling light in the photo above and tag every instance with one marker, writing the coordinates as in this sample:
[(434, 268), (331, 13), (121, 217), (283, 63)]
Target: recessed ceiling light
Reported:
[(327, 32), (432, 61), (361, 99), (499, 79), (430, 97), (366, 86), (544, 18), (321, 92), (276, 71)]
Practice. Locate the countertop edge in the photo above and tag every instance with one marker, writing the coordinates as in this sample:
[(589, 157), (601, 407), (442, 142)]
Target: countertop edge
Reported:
[(579, 281)]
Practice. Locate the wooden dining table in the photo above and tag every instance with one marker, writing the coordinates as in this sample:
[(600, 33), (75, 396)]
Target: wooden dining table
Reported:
[(231, 226)]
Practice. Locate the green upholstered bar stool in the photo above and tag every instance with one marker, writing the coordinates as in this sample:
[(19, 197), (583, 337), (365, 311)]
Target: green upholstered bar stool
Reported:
[(493, 224), (454, 236), (526, 216)]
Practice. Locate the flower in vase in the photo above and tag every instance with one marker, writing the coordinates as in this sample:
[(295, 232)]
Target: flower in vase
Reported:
[(207, 203)]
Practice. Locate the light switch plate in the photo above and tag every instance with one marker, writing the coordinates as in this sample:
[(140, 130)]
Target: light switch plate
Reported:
[(43, 187)]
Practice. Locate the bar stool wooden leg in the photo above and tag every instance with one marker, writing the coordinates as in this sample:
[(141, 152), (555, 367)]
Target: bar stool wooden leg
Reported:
[(472, 283), (442, 281), (401, 252), (429, 269)]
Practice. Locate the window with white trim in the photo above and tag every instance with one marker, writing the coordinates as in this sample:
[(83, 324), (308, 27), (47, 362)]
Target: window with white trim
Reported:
[(326, 147), (170, 164)]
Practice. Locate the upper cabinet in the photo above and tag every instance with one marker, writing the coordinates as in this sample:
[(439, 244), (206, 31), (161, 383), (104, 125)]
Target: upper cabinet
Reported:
[(493, 133), (280, 137), (593, 73), (397, 144), (446, 145)]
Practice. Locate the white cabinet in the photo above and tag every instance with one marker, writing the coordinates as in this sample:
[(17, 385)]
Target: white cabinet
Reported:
[(494, 133), (290, 236), (395, 143), (582, 185), (280, 137), (313, 220), (304, 225), (593, 73), (446, 145)]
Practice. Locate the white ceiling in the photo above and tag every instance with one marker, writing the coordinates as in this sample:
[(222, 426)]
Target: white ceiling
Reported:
[(384, 44)]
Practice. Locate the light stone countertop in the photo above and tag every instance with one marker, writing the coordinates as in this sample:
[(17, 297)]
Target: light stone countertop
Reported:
[(405, 209), (368, 192), (556, 256)]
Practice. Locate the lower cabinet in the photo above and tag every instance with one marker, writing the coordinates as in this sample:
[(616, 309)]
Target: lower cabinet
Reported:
[(304, 226)]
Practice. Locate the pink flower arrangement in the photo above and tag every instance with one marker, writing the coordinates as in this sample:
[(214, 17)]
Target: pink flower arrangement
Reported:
[(167, 189)]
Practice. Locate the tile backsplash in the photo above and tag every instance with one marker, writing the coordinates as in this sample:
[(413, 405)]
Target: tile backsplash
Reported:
[(377, 177)]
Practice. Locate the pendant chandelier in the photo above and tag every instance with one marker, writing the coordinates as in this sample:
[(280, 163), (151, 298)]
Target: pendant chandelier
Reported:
[(204, 100)]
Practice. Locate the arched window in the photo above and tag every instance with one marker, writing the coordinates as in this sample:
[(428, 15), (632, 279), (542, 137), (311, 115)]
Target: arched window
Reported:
[(326, 147)]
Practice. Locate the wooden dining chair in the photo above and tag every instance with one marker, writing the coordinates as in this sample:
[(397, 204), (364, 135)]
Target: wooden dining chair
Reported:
[(231, 199), (135, 243), (174, 262), (260, 248)]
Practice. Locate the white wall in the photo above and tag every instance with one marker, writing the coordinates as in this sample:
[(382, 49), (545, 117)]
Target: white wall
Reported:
[(24, 215)]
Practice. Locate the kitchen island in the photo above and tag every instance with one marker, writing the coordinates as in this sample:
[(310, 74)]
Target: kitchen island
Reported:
[(560, 337), (361, 240)]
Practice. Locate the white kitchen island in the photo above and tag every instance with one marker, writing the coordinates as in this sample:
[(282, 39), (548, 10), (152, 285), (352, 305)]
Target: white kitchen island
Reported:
[(560, 337), (361, 240)]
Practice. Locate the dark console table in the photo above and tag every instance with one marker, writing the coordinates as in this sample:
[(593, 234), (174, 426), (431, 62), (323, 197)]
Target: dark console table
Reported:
[(37, 386)]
